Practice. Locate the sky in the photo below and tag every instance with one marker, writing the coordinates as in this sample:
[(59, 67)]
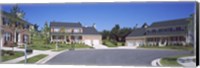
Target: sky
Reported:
[(105, 15)]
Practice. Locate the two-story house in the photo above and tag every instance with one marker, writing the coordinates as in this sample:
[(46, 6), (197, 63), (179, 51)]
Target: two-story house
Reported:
[(171, 32), (14, 30), (70, 32)]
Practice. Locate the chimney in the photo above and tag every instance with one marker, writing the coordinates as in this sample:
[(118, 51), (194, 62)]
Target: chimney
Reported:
[(94, 25)]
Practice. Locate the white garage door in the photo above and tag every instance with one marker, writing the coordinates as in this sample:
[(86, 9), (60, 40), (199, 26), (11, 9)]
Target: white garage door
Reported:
[(88, 42), (129, 43), (95, 42)]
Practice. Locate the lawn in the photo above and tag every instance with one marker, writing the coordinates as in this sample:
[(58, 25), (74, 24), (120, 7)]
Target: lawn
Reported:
[(42, 46), (9, 57), (70, 46), (35, 58), (110, 43), (170, 47), (171, 61)]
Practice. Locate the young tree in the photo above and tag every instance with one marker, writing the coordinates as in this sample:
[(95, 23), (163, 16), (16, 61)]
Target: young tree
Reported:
[(105, 34), (46, 33), (17, 13), (115, 32)]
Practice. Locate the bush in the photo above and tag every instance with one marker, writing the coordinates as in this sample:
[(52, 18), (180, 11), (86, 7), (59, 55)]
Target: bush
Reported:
[(3, 53)]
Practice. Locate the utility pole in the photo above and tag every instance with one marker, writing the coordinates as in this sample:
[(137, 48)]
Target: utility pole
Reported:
[(25, 52), (0, 38)]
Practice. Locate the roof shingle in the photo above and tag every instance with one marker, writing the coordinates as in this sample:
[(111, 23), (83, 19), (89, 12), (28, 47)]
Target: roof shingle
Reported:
[(65, 24), (183, 21)]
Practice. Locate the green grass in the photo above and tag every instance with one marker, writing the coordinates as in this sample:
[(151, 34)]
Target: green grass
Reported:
[(42, 46), (170, 47), (120, 43), (68, 46), (8, 57), (82, 46), (110, 43), (171, 61), (35, 58)]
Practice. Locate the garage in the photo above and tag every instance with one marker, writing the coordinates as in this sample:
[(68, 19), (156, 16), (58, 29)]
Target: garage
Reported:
[(129, 43), (135, 43), (87, 42), (96, 42), (90, 42)]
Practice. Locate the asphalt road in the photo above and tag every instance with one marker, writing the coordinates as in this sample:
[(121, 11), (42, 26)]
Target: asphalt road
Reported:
[(116, 57)]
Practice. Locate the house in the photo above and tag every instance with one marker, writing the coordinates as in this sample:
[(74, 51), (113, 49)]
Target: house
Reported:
[(74, 32), (14, 30), (171, 32)]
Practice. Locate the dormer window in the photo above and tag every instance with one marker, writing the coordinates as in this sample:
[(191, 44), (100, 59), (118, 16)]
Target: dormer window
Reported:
[(5, 21), (56, 29), (17, 24), (76, 31), (26, 26)]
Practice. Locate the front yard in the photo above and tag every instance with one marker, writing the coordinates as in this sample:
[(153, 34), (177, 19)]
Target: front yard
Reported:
[(35, 58), (171, 61), (8, 55), (70, 46), (110, 43), (190, 48)]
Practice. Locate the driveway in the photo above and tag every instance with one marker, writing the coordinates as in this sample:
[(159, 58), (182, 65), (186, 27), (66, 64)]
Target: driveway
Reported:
[(122, 57)]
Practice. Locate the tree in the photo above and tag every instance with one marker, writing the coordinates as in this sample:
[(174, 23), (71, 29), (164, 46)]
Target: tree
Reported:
[(36, 27), (16, 11), (123, 33), (46, 33), (105, 34), (115, 32)]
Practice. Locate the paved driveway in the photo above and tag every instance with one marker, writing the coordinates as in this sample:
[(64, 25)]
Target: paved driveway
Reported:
[(127, 57)]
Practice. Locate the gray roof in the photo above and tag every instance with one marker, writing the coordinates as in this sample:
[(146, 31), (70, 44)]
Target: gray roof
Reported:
[(167, 33), (176, 22), (65, 24), (137, 32), (86, 30), (90, 30)]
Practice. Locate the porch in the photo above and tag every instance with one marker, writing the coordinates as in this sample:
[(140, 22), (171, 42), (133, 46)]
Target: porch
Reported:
[(66, 39), (171, 40)]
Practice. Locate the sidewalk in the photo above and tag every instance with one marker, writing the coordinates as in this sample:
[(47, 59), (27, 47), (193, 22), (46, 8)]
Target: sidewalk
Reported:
[(187, 61), (35, 52), (100, 46)]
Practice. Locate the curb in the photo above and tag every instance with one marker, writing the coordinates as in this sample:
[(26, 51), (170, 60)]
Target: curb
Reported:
[(186, 64), (44, 60), (156, 62)]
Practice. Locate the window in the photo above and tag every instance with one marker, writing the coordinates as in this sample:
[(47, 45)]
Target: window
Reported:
[(7, 36), (25, 38), (26, 26), (170, 29), (72, 37), (61, 37), (17, 24), (80, 37), (76, 30), (153, 30), (56, 29), (178, 28), (5, 21), (68, 30)]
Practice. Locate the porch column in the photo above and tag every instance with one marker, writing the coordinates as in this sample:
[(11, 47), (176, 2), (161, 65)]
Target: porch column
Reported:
[(51, 38)]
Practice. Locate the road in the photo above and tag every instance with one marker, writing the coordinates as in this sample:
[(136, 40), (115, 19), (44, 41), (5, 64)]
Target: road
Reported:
[(107, 57)]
